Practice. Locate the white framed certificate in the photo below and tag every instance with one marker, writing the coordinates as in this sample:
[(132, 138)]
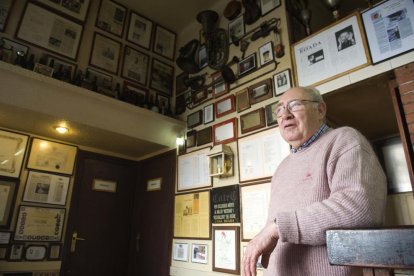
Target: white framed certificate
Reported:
[(180, 252), (12, 149)]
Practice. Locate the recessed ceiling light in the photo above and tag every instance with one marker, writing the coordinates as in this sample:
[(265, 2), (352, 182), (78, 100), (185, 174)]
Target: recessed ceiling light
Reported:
[(61, 129)]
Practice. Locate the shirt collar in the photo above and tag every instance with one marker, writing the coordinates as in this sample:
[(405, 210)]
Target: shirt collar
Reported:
[(312, 139)]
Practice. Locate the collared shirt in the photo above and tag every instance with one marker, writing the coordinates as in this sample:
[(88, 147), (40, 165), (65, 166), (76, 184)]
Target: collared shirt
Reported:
[(314, 137)]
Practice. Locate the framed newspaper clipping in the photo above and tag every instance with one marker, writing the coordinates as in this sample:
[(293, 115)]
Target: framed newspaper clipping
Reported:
[(193, 170), (332, 52), (389, 27)]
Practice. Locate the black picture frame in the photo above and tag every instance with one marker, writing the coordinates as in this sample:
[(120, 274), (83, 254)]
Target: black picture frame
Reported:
[(247, 65), (135, 66), (140, 30), (115, 24), (162, 75), (191, 140), (204, 136), (105, 53), (271, 119), (164, 42), (195, 119)]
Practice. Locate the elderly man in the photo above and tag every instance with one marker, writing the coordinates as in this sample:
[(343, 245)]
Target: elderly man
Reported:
[(331, 179)]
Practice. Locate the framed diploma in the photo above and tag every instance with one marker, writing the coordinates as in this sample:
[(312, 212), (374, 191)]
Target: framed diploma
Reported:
[(255, 201), (199, 253), (8, 190), (260, 154), (252, 121), (225, 132), (332, 52), (193, 171), (52, 157), (226, 249), (12, 151), (39, 224), (192, 215), (180, 252), (225, 106), (46, 188)]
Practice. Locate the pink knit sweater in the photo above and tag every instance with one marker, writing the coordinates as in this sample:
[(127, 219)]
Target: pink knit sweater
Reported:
[(335, 183)]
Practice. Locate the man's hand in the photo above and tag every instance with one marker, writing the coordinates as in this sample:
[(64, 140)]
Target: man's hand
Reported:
[(263, 244)]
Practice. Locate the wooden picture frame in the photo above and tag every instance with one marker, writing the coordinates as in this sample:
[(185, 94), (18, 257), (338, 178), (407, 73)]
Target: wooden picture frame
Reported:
[(389, 41), (199, 97), (247, 65), (46, 188), (164, 42), (52, 157), (65, 69), (195, 119), (204, 136), (134, 94), (252, 121), (139, 30), (135, 66), (268, 6), (105, 53), (39, 224), (191, 140), (236, 29), (12, 151), (220, 87), (111, 17), (35, 253), (162, 76), (78, 10), (271, 119), (199, 253), (16, 252), (35, 28), (209, 113), (242, 100), (260, 91), (180, 251), (226, 249), (8, 191), (266, 53), (320, 58), (5, 7), (225, 132), (225, 106), (282, 82), (54, 252)]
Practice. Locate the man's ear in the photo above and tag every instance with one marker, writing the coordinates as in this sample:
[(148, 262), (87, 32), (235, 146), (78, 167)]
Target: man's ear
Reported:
[(322, 110)]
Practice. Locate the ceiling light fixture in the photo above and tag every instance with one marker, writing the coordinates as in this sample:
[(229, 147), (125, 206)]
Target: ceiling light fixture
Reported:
[(62, 129)]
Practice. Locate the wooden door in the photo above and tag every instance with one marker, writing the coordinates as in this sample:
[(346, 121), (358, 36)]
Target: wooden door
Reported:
[(101, 217), (153, 222)]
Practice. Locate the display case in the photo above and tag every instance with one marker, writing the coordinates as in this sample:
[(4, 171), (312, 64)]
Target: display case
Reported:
[(221, 161)]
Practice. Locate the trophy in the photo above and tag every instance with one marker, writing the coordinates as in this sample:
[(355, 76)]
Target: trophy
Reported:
[(305, 16), (333, 5)]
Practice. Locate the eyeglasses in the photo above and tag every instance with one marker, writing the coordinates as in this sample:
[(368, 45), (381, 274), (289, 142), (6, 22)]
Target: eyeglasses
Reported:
[(292, 106)]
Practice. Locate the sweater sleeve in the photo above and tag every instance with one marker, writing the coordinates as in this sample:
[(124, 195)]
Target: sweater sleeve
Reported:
[(357, 199)]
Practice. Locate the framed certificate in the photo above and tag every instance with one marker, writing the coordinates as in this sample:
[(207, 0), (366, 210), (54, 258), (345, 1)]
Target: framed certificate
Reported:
[(225, 106), (193, 170), (180, 252), (252, 121), (39, 224), (226, 249), (12, 150), (8, 190), (225, 132), (46, 188), (52, 157)]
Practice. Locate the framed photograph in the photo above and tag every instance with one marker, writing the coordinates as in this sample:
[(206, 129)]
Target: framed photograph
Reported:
[(12, 151), (50, 31), (3, 252), (180, 86), (135, 66), (8, 191), (105, 53), (46, 188), (199, 97), (247, 65), (271, 118), (16, 252), (180, 252), (35, 252), (225, 132), (111, 17), (5, 237), (62, 70), (195, 119), (225, 106), (5, 8), (204, 136), (252, 121), (162, 76), (266, 53), (52, 157), (242, 100), (43, 70), (164, 42), (39, 224), (103, 185), (260, 91), (226, 249), (199, 253), (191, 139), (209, 113), (202, 57), (334, 51), (385, 27), (102, 80), (75, 9), (139, 30), (192, 173), (269, 5), (236, 29), (55, 252), (134, 94), (220, 87), (282, 82), (13, 45)]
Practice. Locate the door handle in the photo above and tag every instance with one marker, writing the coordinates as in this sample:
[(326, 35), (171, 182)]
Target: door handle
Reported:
[(75, 238)]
